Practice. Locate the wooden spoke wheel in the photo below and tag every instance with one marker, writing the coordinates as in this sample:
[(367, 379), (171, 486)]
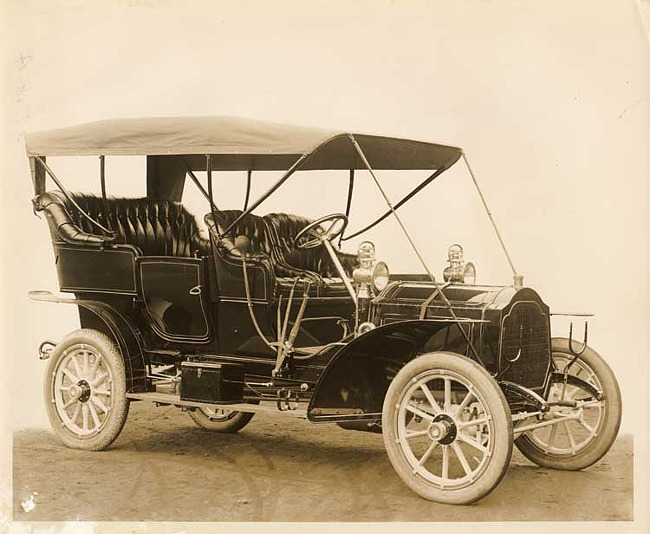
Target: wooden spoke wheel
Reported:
[(447, 428), (85, 390), (585, 438)]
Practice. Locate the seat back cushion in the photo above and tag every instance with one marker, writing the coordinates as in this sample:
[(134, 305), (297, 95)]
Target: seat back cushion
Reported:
[(156, 227), (274, 235), (285, 228), (251, 226)]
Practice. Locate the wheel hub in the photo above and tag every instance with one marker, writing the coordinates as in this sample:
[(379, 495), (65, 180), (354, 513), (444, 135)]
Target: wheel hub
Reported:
[(80, 391), (442, 429)]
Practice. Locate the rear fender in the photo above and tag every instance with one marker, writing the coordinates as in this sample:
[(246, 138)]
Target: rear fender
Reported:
[(106, 319), (353, 385)]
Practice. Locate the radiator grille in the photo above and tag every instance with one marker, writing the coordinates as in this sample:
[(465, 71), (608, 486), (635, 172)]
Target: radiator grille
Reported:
[(525, 327)]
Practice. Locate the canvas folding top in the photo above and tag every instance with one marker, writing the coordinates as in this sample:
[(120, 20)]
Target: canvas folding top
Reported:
[(238, 144)]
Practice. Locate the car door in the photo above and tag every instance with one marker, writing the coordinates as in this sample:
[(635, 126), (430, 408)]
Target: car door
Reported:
[(174, 297)]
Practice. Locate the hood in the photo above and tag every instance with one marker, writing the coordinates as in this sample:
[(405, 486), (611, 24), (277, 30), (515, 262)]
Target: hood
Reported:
[(410, 293)]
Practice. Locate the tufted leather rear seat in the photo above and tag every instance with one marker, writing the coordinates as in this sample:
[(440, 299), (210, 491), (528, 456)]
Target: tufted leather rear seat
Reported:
[(272, 237), (156, 227)]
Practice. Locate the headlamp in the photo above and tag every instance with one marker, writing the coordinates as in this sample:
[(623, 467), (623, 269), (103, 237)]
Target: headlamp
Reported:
[(458, 271), (366, 254), (370, 272)]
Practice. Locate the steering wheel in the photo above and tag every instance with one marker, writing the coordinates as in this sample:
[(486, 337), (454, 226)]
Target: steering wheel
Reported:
[(313, 235)]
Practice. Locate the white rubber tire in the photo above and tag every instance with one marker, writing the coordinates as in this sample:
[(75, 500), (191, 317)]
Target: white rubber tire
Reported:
[(494, 464), (227, 423), (607, 429), (91, 344)]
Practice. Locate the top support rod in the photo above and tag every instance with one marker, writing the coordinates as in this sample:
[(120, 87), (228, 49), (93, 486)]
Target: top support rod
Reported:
[(439, 288), (102, 180), (268, 192), (518, 277), (72, 201), (390, 206)]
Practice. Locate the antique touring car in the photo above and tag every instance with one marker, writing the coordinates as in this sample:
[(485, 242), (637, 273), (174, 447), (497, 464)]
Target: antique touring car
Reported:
[(265, 313)]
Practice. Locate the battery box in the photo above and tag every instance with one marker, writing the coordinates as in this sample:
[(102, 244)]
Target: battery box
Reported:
[(218, 383)]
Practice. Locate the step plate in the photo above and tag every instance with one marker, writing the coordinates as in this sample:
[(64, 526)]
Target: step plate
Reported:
[(175, 400)]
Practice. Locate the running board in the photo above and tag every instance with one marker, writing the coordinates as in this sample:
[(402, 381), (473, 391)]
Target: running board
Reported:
[(169, 399)]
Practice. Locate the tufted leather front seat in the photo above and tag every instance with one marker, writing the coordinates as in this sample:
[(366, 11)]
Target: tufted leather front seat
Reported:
[(285, 228), (252, 226), (272, 237), (156, 227)]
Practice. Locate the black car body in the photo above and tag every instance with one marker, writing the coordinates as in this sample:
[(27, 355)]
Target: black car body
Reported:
[(263, 312)]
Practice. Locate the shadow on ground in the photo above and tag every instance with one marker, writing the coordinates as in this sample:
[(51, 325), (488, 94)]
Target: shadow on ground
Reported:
[(164, 468)]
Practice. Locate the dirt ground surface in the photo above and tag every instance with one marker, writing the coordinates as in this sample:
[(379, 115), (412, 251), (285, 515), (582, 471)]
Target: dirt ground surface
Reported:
[(164, 468)]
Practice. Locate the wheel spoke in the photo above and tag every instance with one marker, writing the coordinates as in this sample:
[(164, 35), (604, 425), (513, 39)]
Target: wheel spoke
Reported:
[(86, 367), (93, 371), (417, 411), (551, 437), (75, 414), (445, 462), (447, 395), (461, 456), (428, 452), (75, 363), (97, 402), (69, 403), (427, 393), (73, 378), (99, 380), (472, 442), (571, 438), (106, 392), (93, 412), (415, 434), (84, 417), (589, 428), (465, 401)]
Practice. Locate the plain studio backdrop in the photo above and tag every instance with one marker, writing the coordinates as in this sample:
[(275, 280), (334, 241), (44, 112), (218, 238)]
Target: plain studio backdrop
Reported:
[(548, 99)]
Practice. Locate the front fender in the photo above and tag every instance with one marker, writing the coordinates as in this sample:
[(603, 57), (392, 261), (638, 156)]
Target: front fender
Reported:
[(103, 317), (354, 383)]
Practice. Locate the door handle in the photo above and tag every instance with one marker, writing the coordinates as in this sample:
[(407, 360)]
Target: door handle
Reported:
[(196, 290)]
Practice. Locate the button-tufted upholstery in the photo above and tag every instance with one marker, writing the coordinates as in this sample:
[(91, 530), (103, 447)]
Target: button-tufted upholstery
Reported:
[(252, 226), (156, 227), (285, 228), (273, 236)]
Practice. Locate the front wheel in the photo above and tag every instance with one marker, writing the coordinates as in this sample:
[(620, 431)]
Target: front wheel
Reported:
[(590, 428), (447, 428)]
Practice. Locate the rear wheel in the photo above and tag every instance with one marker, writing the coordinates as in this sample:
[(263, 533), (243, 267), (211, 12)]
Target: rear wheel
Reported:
[(220, 419), (85, 390), (447, 428), (579, 442)]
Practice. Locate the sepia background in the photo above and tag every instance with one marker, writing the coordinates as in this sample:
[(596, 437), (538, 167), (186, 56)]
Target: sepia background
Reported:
[(548, 99)]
